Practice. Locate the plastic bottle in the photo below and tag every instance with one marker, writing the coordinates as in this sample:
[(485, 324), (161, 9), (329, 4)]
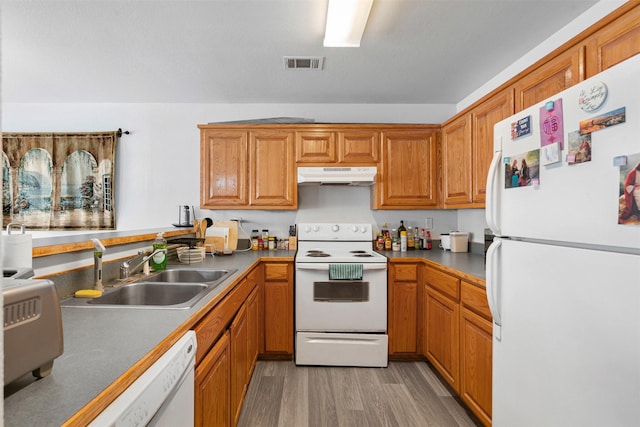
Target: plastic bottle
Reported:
[(254, 240), (265, 239), (380, 242), (159, 260), (272, 243), (403, 241), (428, 241)]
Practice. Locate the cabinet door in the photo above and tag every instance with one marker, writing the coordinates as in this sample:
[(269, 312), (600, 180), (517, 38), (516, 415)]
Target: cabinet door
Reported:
[(252, 331), (556, 75), (316, 147), (223, 168), (456, 153), (485, 116), (239, 339), (272, 170), (476, 344), (403, 308), (407, 175), (614, 43), (212, 387), (359, 147), (278, 309), (441, 335)]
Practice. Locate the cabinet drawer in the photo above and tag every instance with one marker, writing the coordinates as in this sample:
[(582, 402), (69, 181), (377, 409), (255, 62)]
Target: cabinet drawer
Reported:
[(443, 282), (211, 327), (405, 272), (276, 271), (475, 298)]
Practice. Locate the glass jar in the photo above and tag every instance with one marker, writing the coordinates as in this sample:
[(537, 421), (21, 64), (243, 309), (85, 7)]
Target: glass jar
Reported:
[(254, 240), (272, 243)]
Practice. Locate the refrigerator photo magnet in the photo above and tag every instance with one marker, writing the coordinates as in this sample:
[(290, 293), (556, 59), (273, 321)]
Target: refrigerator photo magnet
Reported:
[(579, 147), (522, 170), (550, 154), (629, 200), (603, 121), (551, 128)]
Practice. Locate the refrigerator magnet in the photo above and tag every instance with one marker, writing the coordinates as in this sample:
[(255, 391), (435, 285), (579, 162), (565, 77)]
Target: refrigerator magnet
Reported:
[(629, 191), (602, 121), (579, 148), (551, 128), (592, 96), (620, 161), (521, 128), (550, 154)]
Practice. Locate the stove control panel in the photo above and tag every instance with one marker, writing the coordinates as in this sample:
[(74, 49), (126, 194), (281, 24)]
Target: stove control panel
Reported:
[(335, 231)]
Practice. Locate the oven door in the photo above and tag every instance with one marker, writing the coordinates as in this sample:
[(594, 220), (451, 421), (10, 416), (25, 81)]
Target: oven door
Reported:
[(341, 305)]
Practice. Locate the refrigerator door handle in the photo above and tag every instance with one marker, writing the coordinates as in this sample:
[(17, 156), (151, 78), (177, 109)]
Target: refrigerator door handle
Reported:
[(491, 208), (493, 285)]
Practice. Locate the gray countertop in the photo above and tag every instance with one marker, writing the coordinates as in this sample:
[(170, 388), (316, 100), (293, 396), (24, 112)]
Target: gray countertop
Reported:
[(101, 344), (471, 264)]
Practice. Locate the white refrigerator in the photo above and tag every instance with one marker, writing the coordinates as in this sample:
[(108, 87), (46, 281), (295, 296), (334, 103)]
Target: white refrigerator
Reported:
[(563, 273)]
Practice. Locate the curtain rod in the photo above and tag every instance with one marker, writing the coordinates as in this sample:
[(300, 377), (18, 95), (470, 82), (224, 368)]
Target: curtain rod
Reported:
[(120, 132)]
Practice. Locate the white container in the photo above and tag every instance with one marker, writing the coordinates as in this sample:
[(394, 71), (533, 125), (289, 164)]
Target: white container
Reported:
[(445, 242), (459, 241)]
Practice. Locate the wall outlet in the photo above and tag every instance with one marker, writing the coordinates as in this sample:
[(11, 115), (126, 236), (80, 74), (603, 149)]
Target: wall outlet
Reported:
[(429, 223)]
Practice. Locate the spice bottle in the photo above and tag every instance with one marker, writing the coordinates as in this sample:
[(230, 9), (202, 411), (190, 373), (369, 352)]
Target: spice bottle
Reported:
[(272, 243), (403, 241), (254, 240)]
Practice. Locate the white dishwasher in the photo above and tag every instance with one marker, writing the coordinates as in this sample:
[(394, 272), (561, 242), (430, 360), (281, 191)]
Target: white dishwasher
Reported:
[(162, 396)]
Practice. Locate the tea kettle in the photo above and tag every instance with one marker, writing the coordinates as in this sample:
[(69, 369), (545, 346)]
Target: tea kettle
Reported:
[(186, 215)]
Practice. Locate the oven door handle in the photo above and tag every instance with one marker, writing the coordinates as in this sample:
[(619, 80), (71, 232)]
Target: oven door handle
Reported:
[(325, 267)]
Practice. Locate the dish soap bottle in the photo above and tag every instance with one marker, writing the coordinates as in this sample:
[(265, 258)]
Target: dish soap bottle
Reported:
[(159, 260)]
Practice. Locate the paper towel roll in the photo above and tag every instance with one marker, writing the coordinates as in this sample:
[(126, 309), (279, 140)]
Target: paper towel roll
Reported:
[(16, 250)]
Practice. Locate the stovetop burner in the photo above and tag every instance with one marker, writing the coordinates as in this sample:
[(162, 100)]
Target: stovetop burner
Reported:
[(317, 254), (357, 252), (363, 255)]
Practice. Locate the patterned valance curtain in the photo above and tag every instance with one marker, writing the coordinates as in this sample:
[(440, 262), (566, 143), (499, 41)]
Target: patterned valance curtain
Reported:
[(55, 181)]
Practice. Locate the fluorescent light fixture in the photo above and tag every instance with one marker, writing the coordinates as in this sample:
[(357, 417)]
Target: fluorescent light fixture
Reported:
[(346, 20)]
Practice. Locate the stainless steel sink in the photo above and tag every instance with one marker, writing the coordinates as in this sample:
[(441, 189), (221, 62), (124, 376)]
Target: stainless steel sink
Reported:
[(177, 288), (188, 276), (144, 293)]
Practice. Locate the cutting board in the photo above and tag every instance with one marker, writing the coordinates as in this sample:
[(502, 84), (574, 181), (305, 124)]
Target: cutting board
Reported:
[(216, 232)]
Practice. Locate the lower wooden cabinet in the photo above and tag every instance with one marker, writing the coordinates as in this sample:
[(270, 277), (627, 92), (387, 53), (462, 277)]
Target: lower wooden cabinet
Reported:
[(476, 343), (403, 308), (239, 356), (440, 341), (278, 309), (457, 337), (212, 385), (227, 352)]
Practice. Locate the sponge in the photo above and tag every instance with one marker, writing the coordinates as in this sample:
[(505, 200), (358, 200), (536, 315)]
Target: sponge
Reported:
[(88, 293)]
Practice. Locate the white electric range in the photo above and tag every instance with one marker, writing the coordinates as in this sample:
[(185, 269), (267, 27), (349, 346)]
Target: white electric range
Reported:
[(341, 296)]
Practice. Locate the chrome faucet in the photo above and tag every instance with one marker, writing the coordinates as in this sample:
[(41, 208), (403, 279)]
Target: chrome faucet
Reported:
[(97, 264), (132, 264)]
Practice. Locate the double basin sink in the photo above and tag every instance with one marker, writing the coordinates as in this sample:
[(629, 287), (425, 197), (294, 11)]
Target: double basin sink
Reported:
[(176, 288)]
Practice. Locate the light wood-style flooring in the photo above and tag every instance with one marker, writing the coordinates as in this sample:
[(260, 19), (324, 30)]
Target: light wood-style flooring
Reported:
[(406, 394)]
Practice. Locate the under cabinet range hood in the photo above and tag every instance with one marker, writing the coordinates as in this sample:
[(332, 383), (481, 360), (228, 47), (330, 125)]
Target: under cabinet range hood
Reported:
[(337, 175)]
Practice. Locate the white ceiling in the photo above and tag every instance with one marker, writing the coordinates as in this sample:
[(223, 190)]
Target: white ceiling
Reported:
[(230, 51)]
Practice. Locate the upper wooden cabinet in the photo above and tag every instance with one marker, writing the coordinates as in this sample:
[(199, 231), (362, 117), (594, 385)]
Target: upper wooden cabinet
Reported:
[(456, 154), (272, 179), (407, 176), (326, 147), (614, 43), (223, 169), (555, 75), (484, 117), (242, 169)]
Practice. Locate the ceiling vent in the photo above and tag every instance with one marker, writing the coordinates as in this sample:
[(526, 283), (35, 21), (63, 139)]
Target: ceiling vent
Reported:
[(303, 62)]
